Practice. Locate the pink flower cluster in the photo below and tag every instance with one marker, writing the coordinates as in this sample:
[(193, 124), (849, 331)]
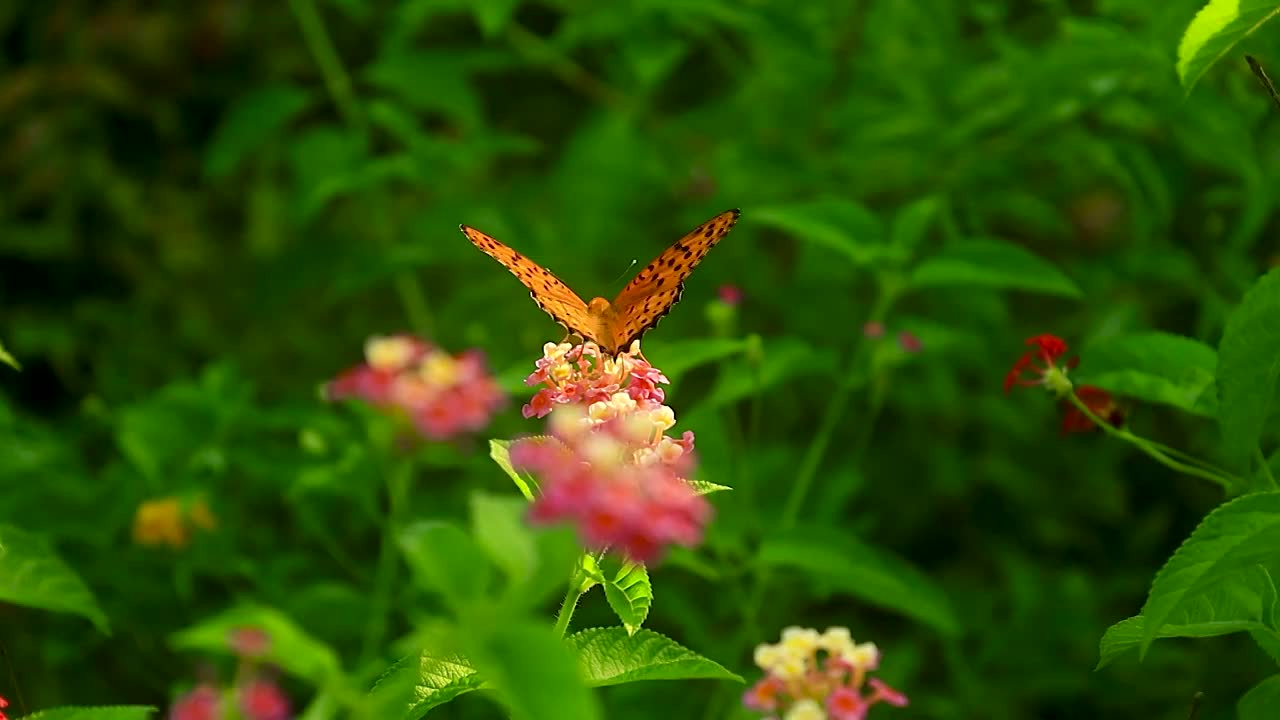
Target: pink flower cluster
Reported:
[(257, 696), (609, 467), (816, 676), (443, 395)]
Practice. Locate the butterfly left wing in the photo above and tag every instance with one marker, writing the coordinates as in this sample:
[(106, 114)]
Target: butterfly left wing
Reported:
[(655, 289), (548, 291)]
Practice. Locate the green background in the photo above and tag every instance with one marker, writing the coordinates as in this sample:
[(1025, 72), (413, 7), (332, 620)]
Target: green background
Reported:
[(208, 207)]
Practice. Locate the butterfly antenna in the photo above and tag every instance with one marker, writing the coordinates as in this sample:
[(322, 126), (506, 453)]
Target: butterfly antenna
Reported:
[(625, 272), (1261, 74)]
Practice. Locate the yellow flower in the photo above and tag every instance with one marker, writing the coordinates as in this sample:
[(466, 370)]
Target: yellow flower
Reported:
[(766, 656), (159, 522), (439, 369), (865, 656), (388, 353), (790, 666), (837, 641), (806, 709), (800, 641)]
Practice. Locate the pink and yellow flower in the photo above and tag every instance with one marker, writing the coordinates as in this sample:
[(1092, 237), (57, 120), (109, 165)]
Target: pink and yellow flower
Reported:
[(819, 675), (443, 395)]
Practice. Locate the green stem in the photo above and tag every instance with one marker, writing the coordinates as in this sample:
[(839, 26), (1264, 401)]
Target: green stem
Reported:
[(336, 79), (1266, 470), (1216, 476), (384, 581), (571, 597), (537, 50)]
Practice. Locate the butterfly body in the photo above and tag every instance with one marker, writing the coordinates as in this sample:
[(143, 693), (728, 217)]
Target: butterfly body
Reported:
[(613, 325)]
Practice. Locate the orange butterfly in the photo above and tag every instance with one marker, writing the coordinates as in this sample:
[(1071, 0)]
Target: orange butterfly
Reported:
[(641, 304)]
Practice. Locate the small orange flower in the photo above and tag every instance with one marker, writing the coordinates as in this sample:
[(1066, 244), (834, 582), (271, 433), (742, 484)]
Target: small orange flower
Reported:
[(165, 521)]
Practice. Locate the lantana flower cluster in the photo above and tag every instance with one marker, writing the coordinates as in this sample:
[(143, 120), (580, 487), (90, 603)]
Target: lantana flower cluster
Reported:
[(255, 696), (815, 676), (608, 466), (1039, 366), (443, 395)]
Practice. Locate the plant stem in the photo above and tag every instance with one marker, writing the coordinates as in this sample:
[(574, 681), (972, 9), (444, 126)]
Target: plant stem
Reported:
[(385, 580), (571, 597), (336, 79)]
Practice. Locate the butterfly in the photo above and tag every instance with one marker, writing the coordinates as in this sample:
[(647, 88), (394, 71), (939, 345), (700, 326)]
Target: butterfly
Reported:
[(615, 325)]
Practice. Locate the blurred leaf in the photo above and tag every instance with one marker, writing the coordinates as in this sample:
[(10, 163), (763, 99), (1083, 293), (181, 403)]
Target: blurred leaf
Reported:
[(1156, 367), (446, 560), (449, 93), (834, 559), (1215, 30), (1262, 702), (912, 222), (992, 264), (1247, 368), (317, 156), (533, 671), (499, 528), (630, 594), (679, 357), (105, 712), (420, 682), (32, 575), (8, 359), (500, 451), (493, 15), (840, 225), (250, 123), (612, 656), (782, 360), (1236, 540), (290, 647)]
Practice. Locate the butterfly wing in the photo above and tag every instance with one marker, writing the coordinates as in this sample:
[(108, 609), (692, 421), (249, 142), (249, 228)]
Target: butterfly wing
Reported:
[(553, 296), (655, 289)]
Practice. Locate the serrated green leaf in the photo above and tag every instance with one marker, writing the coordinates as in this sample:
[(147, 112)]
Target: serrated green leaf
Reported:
[(32, 575), (1156, 367), (1247, 368), (702, 487), (290, 647), (103, 712), (992, 264), (251, 122), (630, 594), (1262, 702), (500, 451), (1215, 30), (417, 683), (1226, 552), (8, 359), (847, 566), (446, 560), (534, 672), (612, 656), (833, 223), (498, 525)]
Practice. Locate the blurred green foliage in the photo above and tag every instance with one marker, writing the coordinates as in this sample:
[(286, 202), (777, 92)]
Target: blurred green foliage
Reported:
[(208, 207)]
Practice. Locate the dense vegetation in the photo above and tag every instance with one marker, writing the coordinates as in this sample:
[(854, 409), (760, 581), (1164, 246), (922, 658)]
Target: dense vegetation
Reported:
[(208, 209)]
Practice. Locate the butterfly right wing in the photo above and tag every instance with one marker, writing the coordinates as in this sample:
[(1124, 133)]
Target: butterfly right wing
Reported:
[(553, 296)]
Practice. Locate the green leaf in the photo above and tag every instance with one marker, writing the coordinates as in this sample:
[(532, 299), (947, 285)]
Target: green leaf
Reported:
[(290, 647), (103, 712), (702, 487), (533, 671), (630, 594), (676, 358), (833, 223), (420, 682), (613, 656), (498, 525), (493, 15), (1215, 30), (252, 121), (992, 264), (847, 566), (500, 451), (1247, 368), (8, 359), (32, 575), (446, 560), (1234, 549), (912, 222), (1156, 367), (1262, 702)]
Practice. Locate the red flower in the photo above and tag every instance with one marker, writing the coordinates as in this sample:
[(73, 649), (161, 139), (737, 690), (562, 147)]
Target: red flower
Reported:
[(1048, 348), (3, 704), (1100, 403)]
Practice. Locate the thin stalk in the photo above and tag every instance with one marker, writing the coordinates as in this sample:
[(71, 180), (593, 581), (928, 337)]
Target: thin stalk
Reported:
[(384, 581), (571, 597), (1266, 469)]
